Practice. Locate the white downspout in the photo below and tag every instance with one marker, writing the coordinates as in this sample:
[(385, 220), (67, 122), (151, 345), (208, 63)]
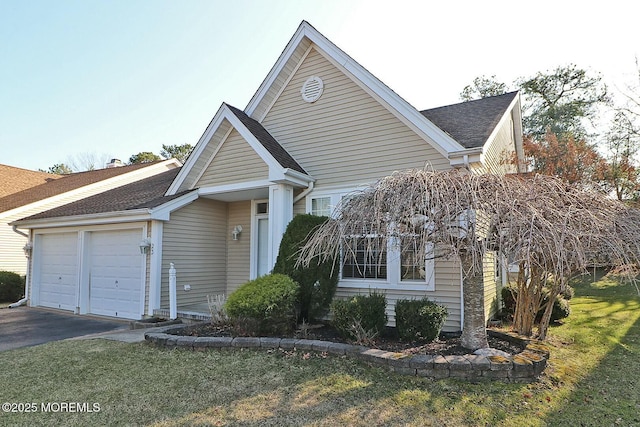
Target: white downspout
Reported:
[(304, 194), (24, 300)]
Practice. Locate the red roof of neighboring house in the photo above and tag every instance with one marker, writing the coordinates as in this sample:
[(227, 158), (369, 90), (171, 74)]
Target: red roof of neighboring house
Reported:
[(63, 184), (14, 180)]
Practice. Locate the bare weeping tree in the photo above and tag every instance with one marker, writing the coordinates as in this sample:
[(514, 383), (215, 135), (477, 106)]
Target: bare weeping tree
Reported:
[(551, 229)]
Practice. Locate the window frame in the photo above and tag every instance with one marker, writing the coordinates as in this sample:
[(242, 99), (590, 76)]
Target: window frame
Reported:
[(393, 280)]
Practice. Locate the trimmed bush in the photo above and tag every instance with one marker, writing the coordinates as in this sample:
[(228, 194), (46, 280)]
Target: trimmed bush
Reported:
[(419, 320), (361, 313), (264, 305), (11, 286), (318, 281), (561, 308)]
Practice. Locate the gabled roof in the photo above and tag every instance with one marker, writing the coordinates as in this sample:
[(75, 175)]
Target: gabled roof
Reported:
[(264, 137), (306, 35), (147, 193), (14, 180), (472, 122), (65, 184), (281, 165)]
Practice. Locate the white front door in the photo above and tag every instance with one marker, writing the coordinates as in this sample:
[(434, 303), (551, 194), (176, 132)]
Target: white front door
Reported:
[(263, 246)]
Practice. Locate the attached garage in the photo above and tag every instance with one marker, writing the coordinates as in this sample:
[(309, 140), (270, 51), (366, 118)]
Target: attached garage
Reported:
[(116, 273), (57, 273), (91, 271)]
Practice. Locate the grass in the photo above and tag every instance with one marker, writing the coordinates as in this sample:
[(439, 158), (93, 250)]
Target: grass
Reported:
[(593, 379)]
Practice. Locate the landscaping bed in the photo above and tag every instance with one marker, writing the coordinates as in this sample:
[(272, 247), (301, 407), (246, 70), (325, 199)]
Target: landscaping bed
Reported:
[(445, 344)]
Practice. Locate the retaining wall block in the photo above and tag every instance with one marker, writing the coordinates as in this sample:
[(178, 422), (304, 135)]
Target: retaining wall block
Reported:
[(422, 361), (288, 343), (478, 363), (246, 342), (499, 363), (270, 342)]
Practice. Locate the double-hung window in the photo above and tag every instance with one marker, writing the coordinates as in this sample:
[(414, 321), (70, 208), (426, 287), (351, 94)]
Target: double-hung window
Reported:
[(372, 261)]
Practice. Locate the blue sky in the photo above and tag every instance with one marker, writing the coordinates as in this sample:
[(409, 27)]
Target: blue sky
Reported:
[(118, 77)]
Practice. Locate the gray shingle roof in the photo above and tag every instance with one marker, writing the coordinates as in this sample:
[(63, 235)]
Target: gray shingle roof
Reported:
[(62, 185), (470, 123), (146, 193), (269, 142)]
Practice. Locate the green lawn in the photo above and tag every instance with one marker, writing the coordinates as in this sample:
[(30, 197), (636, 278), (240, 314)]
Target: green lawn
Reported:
[(593, 380)]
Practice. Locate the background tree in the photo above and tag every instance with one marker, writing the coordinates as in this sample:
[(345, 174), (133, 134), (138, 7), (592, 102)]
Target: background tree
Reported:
[(570, 159), (483, 87), (59, 169), (143, 157), (88, 161), (561, 101), (179, 152), (622, 143)]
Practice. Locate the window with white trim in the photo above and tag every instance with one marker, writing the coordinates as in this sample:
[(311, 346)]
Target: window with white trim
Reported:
[(364, 257), (321, 206)]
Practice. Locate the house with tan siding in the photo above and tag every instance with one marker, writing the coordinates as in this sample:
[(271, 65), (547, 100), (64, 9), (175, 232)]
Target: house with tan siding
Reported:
[(319, 127), (24, 193)]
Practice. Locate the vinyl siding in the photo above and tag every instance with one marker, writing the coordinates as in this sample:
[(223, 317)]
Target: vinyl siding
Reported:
[(238, 253), (195, 241), (202, 160), (281, 79), (447, 293), (497, 158), (490, 286), (235, 162), (359, 140)]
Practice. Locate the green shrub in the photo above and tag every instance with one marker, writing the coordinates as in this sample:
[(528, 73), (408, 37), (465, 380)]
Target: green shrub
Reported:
[(419, 320), (318, 281), (11, 286), (264, 305), (561, 308), (361, 314)]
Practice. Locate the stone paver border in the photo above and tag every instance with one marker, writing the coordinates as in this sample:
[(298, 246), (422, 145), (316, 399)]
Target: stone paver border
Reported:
[(525, 366)]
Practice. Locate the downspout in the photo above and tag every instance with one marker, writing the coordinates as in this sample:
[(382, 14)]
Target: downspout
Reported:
[(24, 300), (304, 194)]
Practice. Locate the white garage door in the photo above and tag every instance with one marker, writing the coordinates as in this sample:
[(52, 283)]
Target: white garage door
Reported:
[(115, 284), (58, 270)]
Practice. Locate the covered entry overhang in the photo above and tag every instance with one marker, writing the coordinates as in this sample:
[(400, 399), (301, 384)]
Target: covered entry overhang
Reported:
[(280, 192)]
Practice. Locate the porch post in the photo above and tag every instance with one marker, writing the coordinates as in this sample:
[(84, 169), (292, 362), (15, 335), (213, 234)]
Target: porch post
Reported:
[(280, 214)]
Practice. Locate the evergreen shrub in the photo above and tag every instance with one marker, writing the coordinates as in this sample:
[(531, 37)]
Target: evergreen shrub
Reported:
[(419, 320)]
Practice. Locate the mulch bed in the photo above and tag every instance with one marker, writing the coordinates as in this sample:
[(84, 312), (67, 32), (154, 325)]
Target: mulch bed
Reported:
[(444, 345)]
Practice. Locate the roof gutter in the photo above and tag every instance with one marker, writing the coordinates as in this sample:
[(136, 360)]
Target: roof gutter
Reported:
[(464, 158), (15, 230)]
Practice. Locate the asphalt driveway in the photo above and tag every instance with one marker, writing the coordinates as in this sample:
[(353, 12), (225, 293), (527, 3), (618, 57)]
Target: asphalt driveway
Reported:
[(26, 326)]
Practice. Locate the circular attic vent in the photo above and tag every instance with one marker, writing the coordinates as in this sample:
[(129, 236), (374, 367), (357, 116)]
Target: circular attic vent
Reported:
[(312, 89)]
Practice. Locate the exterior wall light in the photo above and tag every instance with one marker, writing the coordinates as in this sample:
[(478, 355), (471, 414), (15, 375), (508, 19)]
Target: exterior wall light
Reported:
[(145, 246), (236, 231), (28, 248)]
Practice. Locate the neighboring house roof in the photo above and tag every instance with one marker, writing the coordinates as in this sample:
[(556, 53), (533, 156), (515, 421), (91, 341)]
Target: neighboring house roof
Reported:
[(14, 180), (64, 184), (146, 193), (472, 122), (267, 141)]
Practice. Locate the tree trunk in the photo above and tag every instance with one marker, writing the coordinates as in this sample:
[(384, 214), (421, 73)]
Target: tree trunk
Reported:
[(543, 327), (474, 332)]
